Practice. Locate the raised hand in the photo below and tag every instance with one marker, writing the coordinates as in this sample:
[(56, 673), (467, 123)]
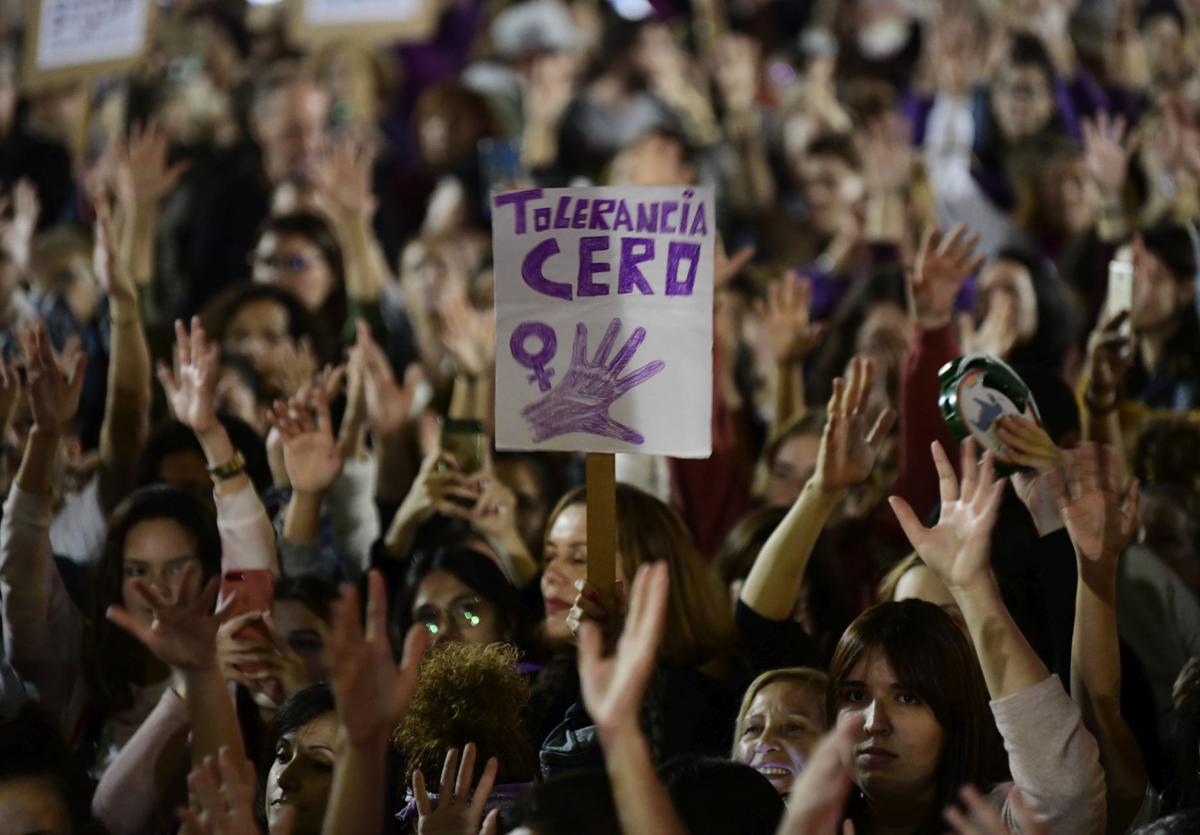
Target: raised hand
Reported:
[(1100, 519), (223, 793), (470, 336), (388, 404), (459, 808), (343, 179), (1107, 147), (190, 387), (888, 154), (372, 692), (736, 72), (728, 266), (580, 402), (785, 321), (183, 634), (16, 234), (817, 801), (1110, 355), (848, 451), (54, 392), (551, 87), (312, 456), (942, 265), (110, 268), (1028, 446), (291, 367), (958, 547), (141, 171), (613, 687), (997, 334)]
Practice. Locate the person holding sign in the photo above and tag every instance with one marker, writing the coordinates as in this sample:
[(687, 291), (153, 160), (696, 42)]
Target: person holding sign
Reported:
[(696, 663)]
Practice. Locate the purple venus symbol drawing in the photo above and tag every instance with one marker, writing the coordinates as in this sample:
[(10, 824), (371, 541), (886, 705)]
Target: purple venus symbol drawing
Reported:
[(535, 362), (581, 400)]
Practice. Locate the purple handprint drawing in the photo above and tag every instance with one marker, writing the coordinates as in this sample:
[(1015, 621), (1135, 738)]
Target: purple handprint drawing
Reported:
[(580, 402)]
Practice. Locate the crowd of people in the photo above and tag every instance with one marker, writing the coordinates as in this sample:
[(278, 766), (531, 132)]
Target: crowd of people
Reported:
[(269, 596)]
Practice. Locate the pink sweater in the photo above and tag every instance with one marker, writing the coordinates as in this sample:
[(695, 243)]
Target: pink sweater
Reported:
[(1054, 761)]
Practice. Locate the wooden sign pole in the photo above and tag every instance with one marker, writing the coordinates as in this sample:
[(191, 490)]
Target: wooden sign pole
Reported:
[(602, 523)]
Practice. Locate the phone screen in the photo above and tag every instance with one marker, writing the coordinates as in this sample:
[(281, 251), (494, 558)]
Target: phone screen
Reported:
[(1120, 288), (464, 440)]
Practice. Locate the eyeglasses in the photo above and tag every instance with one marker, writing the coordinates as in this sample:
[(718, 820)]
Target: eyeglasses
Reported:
[(283, 263), (467, 613)]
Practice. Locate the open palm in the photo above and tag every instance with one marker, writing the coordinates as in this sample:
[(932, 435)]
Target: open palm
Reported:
[(183, 634), (191, 387), (53, 392), (372, 692), (848, 451), (958, 547), (942, 265), (1099, 519), (312, 457)]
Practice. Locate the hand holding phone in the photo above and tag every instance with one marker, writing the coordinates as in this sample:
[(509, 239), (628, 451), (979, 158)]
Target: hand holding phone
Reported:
[(1120, 290)]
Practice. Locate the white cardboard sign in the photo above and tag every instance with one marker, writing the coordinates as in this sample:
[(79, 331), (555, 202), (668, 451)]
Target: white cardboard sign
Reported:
[(604, 300), (74, 38)]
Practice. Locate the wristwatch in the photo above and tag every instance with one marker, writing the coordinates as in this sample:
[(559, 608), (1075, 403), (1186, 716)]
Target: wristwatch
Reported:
[(234, 466)]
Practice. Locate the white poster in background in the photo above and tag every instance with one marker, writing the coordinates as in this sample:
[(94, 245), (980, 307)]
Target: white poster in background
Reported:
[(71, 33), (604, 300), (360, 12)]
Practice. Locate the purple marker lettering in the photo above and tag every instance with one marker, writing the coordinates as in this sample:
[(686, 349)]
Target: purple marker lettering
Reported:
[(560, 214), (668, 208), (699, 223), (634, 251), (535, 362), (580, 219), (600, 208), (676, 252), (683, 213), (541, 218), (588, 266), (647, 218), (622, 220), (531, 271), (519, 198)]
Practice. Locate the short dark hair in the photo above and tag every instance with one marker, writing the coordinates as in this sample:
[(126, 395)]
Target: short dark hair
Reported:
[(1171, 244), (313, 592), (31, 748), (840, 145), (219, 312), (316, 231), (170, 437), (1028, 51), (929, 654), (472, 569), (715, 796), (573, 803), (1155, 9)]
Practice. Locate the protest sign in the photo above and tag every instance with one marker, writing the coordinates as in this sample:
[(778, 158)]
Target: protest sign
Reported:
[(604, 319), (363, 20), (73, 39)]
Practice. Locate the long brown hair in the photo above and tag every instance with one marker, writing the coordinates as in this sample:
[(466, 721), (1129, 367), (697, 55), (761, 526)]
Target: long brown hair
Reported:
[(112, 658), (699, 618), (930, 655)]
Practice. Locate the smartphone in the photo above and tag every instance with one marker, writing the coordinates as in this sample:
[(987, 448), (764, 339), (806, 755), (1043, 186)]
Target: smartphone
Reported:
[(255, 589), (1120, 289), (464, 440)]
